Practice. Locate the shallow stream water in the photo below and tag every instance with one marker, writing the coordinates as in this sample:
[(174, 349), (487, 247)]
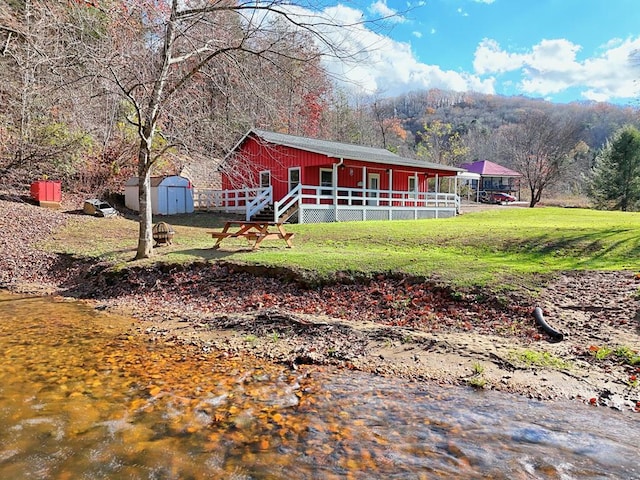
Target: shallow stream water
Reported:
[(83, 397)]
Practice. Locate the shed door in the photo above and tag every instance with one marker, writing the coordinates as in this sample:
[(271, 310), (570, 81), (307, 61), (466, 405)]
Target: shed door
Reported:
[(176, 200)]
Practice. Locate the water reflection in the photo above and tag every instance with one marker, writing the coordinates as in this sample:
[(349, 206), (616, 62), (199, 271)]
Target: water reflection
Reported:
[(83, 397)]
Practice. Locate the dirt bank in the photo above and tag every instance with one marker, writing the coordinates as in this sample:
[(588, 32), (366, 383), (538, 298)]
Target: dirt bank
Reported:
[(410, 327)]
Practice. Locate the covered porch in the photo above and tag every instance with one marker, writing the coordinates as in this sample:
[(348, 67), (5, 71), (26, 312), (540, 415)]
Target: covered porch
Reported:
[(313, 204), (306, 180), (326, 203)]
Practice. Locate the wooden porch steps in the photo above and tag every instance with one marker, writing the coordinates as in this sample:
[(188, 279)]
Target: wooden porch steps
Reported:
[(268, 215), (288, 214), (265, 215)]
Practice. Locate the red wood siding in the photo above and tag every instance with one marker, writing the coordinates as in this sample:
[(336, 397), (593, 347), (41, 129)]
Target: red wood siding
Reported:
[(278, 159)]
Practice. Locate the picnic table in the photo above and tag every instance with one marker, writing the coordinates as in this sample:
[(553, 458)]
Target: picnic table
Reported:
[(254, 232)]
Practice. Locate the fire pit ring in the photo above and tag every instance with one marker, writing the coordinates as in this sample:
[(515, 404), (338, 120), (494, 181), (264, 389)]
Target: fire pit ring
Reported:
[(163, 233)]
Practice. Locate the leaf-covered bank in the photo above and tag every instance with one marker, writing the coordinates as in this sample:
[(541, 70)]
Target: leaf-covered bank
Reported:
[(391, 324)]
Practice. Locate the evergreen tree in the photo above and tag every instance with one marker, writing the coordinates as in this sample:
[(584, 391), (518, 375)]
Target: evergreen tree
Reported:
[(615, 179)]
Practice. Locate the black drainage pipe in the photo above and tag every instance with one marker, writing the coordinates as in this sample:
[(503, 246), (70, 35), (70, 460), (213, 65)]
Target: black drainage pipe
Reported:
[(555, 334)]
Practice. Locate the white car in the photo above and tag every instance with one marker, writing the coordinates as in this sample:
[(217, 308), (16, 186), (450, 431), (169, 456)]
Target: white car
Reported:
[(98, 208)]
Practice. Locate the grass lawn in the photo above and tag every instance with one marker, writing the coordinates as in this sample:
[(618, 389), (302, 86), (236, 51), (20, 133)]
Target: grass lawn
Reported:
[(502, 246)]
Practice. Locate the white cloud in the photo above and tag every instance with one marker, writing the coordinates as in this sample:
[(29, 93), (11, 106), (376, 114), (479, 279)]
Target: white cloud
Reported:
[(490, 58), (553, 55), (552, 66), (392, 68), (368, 61), (488, 2), (596, 96), (417, 34), (381, 9)]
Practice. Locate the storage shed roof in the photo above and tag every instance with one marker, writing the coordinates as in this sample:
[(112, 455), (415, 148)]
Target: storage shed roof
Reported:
[(156, 181)]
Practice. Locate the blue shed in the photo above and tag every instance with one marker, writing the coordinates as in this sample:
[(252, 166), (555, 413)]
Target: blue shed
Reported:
[(169, 195)]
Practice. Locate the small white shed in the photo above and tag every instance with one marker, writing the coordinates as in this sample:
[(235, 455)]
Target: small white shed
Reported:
[(169, 195)]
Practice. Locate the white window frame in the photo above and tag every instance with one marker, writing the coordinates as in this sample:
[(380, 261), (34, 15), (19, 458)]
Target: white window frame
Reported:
[(262, 174), (291, 183), (324, 184)]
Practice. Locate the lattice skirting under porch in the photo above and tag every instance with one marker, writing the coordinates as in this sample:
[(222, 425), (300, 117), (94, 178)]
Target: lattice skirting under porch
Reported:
[(314, 215), (323, 214)]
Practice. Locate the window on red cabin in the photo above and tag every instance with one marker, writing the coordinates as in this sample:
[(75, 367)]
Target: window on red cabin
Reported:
[(294, 177), (326, 180), (265, 179)]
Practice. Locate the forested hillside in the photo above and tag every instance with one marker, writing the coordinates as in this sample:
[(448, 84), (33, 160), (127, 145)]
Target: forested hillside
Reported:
[(75, 77)]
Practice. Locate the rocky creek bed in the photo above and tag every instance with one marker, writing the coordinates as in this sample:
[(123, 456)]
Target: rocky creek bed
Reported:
[(390, 325)]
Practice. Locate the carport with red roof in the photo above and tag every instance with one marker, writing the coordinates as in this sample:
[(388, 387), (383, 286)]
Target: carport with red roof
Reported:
[(494, 178)]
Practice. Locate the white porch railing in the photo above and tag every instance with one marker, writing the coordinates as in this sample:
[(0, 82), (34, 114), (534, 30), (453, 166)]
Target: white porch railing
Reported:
[(329, 204), (260, 202), (228, 201), (338, 204), (289, 200)]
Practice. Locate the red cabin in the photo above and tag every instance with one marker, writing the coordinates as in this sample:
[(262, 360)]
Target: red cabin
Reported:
[(284, 177)]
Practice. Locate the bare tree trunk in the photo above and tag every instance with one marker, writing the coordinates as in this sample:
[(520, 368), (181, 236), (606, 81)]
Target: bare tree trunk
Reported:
[(532, 202), (145, 238), (147, 131), (28, 79)]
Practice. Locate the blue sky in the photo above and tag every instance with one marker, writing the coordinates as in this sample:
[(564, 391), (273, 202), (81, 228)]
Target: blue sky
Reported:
[(560, 50)]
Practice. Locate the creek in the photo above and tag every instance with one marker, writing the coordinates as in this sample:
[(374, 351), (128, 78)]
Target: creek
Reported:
[(84, 396)]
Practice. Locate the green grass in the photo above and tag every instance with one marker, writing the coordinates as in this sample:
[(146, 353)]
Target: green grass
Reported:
[(499, 247), (478, 369), (622, 354), (602, 353), (532, 358), (627, 355), (477, 380)]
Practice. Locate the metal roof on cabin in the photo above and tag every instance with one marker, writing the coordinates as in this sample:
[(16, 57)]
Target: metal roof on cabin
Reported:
[(346, 150), (490, 169)]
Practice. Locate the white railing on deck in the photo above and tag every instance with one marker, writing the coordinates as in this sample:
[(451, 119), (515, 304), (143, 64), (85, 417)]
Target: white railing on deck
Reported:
[(229, 201), (288, 201), (259, 203), (249, 201), (376, 198)]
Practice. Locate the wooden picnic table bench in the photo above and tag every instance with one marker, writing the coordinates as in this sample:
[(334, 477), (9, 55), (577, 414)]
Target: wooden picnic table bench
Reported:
[(253, 231)]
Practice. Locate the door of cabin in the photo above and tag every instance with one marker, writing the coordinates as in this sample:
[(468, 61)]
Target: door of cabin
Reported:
[(373, 186)]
